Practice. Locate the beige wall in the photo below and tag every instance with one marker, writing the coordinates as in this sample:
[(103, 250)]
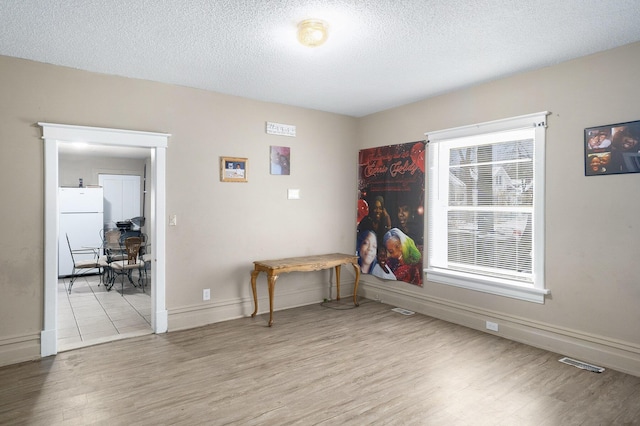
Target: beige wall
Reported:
[(592, 240), (88, 167), (592, 234), (222, 227)]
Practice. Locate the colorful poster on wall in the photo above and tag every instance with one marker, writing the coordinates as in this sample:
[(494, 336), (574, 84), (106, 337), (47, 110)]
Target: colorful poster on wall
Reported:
[(390, 222)]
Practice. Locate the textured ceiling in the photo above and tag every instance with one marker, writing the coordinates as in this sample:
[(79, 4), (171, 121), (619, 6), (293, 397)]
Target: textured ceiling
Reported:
[(380, 53)]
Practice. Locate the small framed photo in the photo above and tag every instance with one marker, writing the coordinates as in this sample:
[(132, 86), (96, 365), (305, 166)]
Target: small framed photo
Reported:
[(612, 149), (233, 169), (280, 160)]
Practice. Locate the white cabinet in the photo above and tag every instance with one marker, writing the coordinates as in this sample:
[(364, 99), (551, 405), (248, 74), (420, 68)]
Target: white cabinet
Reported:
[(121, 198)]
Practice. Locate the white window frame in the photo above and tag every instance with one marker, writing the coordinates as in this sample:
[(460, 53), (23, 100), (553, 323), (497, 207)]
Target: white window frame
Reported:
[(533, 291)]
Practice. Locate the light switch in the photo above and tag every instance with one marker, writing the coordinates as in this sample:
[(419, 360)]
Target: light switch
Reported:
[(173, 220), (293, 194)]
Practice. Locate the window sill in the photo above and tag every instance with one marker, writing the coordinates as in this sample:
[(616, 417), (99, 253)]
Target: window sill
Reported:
[(495, 286)]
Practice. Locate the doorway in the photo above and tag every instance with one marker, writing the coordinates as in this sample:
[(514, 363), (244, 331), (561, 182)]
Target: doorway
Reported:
[(91, 312), (53, 135)]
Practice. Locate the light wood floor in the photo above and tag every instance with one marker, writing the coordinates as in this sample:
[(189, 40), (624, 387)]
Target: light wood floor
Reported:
[(316, 366)]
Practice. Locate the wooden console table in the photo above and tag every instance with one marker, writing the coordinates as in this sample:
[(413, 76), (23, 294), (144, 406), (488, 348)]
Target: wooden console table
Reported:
[(301, 264)]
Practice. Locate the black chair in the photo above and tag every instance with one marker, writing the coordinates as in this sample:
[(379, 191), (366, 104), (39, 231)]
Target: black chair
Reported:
[(85, 265), (110, 239), (133, 261)]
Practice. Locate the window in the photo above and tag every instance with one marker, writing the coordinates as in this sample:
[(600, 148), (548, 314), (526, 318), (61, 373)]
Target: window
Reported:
[(486, 215)]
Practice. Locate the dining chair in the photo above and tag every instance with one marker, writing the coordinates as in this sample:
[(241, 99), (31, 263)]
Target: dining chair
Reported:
[(145, 254), (111, 236), (110, 240), (133, 261), (82, 267)]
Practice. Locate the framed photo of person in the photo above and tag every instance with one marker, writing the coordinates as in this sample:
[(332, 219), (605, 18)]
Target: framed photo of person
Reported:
[(233, 169), (280, 157), (612, 149)]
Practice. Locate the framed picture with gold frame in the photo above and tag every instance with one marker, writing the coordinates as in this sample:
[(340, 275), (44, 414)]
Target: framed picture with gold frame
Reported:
[(233, 169)]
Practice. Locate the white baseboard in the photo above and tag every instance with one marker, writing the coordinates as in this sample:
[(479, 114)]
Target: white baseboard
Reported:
[(48, 342), (17, 349), (599, 350), (228, 309), (160, 322)]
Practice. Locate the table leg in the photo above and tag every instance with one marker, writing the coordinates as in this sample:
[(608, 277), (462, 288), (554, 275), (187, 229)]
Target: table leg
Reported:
[(254, 275), (355, 287), (272, 285), (337, 282)]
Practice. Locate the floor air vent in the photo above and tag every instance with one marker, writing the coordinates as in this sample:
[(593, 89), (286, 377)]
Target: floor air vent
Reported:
[(403, 311), (582, 365)]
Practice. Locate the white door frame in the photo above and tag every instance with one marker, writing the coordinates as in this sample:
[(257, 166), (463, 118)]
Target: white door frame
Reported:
[(157, 143)]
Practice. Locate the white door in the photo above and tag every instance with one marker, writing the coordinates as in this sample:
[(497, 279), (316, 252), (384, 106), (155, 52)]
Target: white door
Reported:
[(121, 198)]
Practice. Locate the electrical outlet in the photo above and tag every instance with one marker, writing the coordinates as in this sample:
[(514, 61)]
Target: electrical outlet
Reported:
[(173, 220), (493, 326), (206, 294)]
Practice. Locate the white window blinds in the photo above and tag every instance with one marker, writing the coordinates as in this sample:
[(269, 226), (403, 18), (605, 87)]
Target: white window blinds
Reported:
[(486, 185)]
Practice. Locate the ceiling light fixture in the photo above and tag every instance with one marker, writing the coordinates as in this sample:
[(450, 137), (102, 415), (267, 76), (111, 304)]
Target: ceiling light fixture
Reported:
[(312, 32)]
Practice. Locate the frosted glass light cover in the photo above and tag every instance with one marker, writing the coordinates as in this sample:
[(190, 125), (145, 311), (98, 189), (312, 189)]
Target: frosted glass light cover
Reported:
[(312, 32)]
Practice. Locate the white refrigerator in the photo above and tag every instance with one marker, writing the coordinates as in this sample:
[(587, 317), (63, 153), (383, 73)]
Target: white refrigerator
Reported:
[(81, 212)]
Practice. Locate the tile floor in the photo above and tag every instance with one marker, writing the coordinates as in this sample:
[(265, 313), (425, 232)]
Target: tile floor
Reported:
[(91, 315)]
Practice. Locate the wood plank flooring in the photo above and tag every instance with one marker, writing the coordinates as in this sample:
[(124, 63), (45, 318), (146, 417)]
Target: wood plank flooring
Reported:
[(316, 366)]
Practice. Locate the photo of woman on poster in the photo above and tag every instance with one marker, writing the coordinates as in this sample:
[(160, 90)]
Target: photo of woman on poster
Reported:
[(368, 256)]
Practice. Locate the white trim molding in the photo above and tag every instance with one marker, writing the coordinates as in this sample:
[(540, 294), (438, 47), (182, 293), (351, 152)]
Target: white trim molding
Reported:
[(53, 134), (512, 279), (186, 317), (507, 288)]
